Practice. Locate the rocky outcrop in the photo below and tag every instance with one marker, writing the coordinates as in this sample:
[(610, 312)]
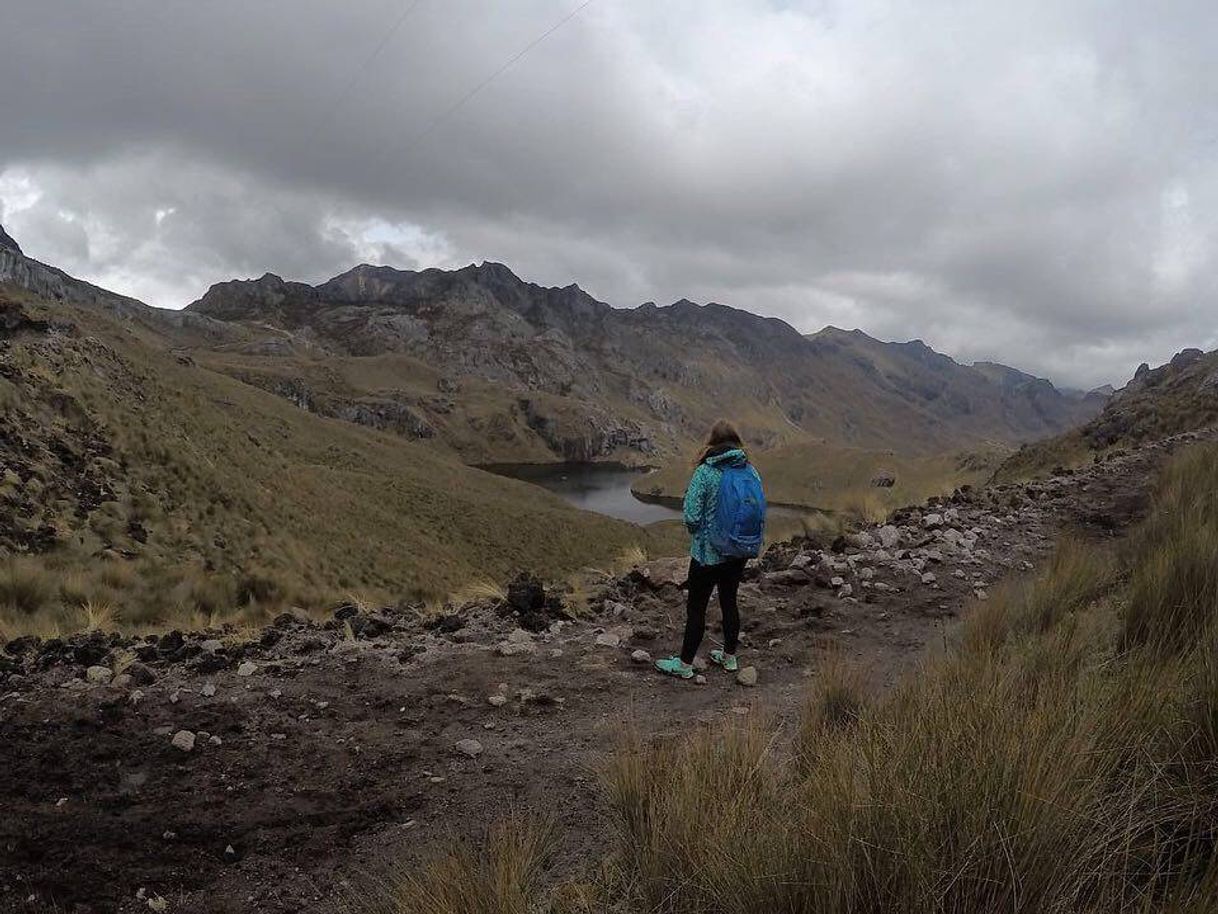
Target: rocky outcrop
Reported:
[(1173, 398), (7, 242), (682, 364), (588, 435), (390, 414)]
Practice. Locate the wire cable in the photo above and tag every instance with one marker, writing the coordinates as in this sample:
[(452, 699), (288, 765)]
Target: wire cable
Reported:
[(341, 99), (465, 99)]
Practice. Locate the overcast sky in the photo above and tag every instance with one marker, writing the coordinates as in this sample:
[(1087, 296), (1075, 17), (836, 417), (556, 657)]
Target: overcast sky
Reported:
[(1032, 182)]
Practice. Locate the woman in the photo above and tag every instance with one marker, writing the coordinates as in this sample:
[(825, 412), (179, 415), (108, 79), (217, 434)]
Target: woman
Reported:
[(708, 566)]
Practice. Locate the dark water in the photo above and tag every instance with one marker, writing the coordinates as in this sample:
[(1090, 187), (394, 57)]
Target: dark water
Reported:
[(600, 487)]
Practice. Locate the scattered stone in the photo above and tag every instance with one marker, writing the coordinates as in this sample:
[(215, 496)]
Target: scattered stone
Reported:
[(931, 521), (212, 645), (520, 636), (98, 675), (248, 668), (929, 578), (184, 740), (747, 676), (470, 748), (121, 681), (608, 639), (215, 741), (699, 679), (511, 649), (208, 690), (497, 701), (981, 594), (141, 674), (845, 591), (640, 656)]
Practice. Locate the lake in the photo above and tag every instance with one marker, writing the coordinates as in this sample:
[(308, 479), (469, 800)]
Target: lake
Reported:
[(600, 487)]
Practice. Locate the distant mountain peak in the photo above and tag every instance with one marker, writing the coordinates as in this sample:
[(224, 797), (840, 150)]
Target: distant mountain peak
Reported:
[(6, 241)]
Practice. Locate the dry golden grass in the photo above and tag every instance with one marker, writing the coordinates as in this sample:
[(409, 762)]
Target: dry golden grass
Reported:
[(245, 504), (838, 479), (501, 875)]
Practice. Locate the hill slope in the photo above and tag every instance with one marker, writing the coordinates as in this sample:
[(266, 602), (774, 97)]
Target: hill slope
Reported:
[(135, 479), (1177, 397), (498, 368)]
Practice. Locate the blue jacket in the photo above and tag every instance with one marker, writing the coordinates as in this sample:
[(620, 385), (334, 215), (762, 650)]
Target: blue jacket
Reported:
[(702, 499)]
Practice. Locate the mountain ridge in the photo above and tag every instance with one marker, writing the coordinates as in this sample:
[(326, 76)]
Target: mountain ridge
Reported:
[(651, 367)]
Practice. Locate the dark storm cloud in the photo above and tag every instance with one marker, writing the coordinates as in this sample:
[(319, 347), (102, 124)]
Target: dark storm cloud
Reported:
[(1034, 183)]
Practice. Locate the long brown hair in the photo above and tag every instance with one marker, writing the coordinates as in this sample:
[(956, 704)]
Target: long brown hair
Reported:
[(722, 437)]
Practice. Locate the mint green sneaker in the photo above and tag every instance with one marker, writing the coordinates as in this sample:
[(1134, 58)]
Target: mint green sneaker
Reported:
[(727, 661), (675, 666)]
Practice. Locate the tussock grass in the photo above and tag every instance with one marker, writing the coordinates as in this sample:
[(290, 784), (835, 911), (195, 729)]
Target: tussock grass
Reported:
[(25, 587), (1174, 593), (1062, 759), (500, 876), (223, 499)]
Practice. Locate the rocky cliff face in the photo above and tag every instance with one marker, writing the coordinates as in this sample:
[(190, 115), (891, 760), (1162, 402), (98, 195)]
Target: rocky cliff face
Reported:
[(597, 381), (647, 377), (7, 243), (1177, 397)]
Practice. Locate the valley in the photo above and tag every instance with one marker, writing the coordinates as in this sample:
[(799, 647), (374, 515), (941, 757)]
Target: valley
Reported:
[(308, 766), (273, 636)]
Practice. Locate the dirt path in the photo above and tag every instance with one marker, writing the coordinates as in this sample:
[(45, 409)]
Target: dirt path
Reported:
[(320, 751)]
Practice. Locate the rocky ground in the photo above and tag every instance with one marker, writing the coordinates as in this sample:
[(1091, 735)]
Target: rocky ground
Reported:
[(213, 773)]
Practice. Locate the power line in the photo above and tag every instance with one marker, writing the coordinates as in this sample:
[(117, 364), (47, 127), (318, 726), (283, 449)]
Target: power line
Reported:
[(341, 99), (463, 100)]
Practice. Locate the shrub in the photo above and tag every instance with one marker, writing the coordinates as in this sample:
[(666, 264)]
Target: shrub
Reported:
[(25, 587), (500, 876)]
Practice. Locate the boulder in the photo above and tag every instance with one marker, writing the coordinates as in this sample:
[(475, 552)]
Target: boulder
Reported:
[(470, 748), (141, 674)]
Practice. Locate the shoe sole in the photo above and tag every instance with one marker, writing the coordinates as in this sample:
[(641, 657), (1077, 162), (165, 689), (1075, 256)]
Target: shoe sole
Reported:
[(676, 675)]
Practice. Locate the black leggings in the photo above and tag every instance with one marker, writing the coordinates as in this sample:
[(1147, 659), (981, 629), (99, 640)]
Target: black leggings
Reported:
[(702, 580)]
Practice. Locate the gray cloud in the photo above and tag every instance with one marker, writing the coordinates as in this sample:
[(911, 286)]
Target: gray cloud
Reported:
[(1033, 183)]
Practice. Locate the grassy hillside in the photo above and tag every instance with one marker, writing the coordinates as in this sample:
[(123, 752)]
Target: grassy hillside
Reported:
[(1062, 757), (140, 485), (1177, 397), (836, 478)]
